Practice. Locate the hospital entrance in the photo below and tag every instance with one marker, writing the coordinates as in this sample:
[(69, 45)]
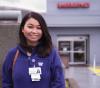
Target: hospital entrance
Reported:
[(73, 49)]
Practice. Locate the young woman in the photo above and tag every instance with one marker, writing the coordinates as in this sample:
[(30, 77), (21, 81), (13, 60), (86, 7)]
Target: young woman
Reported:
[(38, 63)]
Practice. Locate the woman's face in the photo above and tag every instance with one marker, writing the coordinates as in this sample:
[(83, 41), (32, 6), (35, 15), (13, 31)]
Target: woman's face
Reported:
[(32, 31)]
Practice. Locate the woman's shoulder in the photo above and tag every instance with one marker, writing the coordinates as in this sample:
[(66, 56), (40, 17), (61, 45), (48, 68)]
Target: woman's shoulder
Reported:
[(9, 56), (54, 51), (55, 57), (12, 50)]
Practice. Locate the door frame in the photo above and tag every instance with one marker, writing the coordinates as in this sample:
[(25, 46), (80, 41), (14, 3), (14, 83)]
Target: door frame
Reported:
[(74, 38)]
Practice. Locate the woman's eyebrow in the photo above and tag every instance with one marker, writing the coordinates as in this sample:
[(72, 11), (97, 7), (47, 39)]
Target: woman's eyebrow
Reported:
[(33, 24)]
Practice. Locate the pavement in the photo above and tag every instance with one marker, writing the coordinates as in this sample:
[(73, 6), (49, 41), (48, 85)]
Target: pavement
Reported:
[(84, 77)]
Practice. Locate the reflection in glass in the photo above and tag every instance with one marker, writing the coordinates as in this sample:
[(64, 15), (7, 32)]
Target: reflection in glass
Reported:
[(78, 57), (64, 45), (79, 45)]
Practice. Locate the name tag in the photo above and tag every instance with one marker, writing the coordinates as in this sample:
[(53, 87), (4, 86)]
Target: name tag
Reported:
[(35, 70), (35, 73), (35, 77)]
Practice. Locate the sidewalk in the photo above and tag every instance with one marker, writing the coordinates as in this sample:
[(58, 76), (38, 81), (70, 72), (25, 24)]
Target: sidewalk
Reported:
[(83, 76)]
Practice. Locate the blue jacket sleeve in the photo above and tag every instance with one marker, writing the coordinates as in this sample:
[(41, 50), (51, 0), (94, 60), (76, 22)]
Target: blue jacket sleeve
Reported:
[(57, 76), (7, 70)]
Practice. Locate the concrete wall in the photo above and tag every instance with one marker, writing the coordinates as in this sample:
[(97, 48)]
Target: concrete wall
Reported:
[(8, 39)]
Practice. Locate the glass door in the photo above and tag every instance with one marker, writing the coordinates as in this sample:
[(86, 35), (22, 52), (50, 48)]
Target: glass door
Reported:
[(65, 48), (74, 48), (79, 51)]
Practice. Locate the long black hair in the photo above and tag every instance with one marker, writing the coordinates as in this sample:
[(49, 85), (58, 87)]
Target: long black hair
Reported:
[(45, 43)]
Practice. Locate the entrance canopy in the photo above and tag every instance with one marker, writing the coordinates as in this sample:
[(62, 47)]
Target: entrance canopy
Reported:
[(31, 5)]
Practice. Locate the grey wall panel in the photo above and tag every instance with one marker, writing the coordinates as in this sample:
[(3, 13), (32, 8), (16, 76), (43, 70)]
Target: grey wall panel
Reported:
[(73, 16)]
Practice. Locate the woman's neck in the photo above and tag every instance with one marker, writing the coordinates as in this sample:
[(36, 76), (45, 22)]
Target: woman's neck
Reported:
[(29, 54), (33, 44)]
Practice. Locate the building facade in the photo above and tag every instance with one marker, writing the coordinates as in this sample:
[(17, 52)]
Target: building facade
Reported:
[(75, 29)]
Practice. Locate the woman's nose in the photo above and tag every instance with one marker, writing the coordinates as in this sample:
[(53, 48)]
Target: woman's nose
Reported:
[(34, 29)]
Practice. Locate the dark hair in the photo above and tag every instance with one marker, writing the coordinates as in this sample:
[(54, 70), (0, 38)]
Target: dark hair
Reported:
[(45, 43)]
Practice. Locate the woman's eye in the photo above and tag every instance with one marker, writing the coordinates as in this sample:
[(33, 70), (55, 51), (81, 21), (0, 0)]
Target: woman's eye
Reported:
[(38, 27), (30, 26)]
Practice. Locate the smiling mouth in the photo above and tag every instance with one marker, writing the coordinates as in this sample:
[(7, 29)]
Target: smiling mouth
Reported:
[(35, 36)]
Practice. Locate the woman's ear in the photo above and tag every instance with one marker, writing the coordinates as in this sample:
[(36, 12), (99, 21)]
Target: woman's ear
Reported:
[(23, 30)]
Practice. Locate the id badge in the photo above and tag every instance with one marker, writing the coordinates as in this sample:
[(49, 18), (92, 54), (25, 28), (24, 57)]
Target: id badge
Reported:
[(35, 77), (35, 70), (35, 73)]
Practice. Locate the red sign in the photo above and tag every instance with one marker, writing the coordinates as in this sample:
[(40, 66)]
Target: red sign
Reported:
[(73, 5)]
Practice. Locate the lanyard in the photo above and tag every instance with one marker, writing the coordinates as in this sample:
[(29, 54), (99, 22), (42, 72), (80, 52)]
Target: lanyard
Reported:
[(31, 62)]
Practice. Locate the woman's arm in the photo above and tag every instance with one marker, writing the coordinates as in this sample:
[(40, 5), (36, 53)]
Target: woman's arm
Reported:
[(57, 76), (7, 70)]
